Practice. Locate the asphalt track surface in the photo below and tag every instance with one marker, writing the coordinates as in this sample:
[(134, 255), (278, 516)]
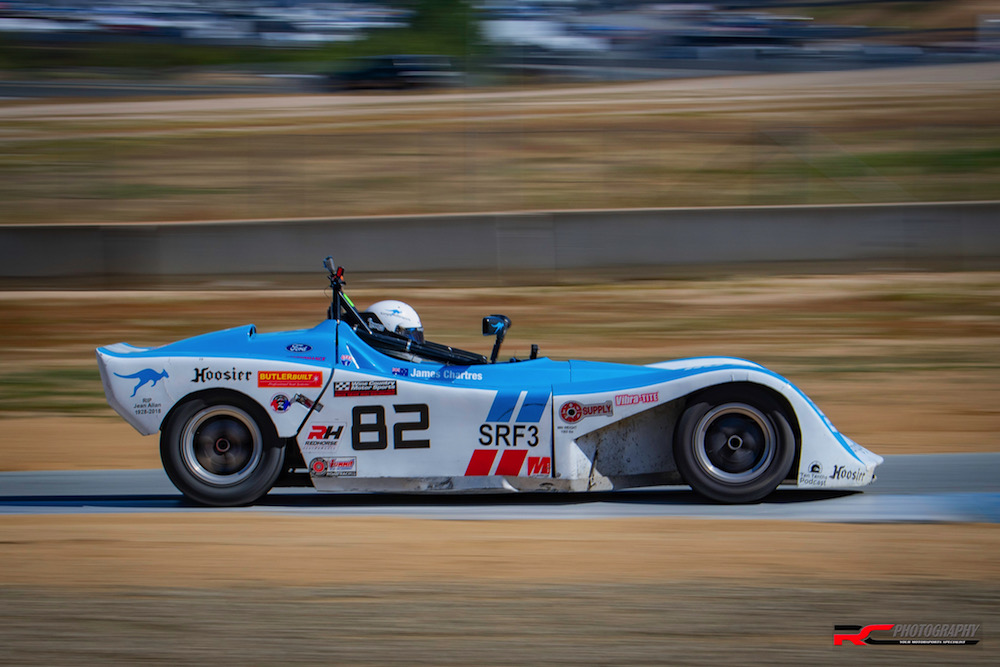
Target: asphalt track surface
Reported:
[(961, 488)]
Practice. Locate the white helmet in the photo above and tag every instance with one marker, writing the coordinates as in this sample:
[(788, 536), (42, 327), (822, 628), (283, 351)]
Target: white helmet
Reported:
[(400, 318)]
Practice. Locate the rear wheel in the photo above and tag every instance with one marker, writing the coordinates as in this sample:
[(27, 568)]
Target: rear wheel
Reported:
[(734, 444), (221, 451)]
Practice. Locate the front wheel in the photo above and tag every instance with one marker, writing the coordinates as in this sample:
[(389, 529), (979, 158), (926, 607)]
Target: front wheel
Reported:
[(221, 452), (734, 444)]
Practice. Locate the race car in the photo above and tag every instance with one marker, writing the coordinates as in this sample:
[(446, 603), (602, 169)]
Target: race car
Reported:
[(351, 405)]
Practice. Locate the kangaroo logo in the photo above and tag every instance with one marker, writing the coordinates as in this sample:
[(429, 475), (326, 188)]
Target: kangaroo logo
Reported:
[(144, 376)]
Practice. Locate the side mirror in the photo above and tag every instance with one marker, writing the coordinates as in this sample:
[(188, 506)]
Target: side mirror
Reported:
[(496, 325)]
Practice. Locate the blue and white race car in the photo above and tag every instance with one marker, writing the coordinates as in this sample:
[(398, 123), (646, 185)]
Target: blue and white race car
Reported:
[(351, 406)]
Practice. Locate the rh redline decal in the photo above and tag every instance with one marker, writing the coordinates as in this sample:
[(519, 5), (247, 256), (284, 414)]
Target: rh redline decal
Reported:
[(289, 378)]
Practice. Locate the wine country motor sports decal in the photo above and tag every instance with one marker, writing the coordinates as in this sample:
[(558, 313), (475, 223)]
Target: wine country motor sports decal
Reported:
[(509, 464), (289, 379), (364, 388)]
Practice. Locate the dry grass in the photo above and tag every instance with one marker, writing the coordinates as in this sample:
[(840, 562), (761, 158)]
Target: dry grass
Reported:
[(919, 134)]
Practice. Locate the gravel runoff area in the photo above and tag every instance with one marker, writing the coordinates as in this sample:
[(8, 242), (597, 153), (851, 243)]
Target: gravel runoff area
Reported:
[(293, 590)]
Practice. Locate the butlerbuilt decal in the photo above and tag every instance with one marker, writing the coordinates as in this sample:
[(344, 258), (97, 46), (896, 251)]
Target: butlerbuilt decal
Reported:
[(290, 378)]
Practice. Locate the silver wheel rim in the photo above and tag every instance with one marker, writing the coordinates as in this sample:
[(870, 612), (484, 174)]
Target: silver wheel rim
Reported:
[(221, 445), (734, 443)]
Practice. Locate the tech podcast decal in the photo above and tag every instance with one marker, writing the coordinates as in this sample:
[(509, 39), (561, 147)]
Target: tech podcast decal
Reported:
[(281, 379), (813, 476)]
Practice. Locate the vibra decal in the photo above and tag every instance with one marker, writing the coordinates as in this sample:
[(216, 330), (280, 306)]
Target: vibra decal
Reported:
[(290, 379), (636, 399)]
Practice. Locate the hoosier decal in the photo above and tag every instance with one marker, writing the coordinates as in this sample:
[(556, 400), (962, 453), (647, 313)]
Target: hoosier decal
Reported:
[(365, 388), (290, 379)]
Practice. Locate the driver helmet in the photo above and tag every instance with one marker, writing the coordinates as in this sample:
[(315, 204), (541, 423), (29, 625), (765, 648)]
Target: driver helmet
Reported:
[(400, 318)]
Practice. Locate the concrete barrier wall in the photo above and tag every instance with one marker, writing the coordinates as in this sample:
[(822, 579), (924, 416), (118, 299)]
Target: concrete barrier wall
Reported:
[(962, 233)]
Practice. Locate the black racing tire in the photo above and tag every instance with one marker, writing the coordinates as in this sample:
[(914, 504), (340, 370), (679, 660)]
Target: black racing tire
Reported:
[(734, 443), (221, 450)]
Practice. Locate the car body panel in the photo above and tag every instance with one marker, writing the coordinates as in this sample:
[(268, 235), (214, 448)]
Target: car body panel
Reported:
[(367, 421)]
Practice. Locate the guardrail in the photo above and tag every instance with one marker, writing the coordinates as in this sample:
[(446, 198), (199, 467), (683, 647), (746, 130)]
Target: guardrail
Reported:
[(962, 234)]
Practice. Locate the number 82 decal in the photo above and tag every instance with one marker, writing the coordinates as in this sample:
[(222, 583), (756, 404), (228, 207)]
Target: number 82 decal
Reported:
[(369, 429)]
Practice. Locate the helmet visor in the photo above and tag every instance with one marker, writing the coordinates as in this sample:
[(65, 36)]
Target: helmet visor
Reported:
[(414, 333)]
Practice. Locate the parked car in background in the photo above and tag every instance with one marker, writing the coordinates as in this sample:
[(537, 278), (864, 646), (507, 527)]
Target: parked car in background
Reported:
[(396, 72)]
